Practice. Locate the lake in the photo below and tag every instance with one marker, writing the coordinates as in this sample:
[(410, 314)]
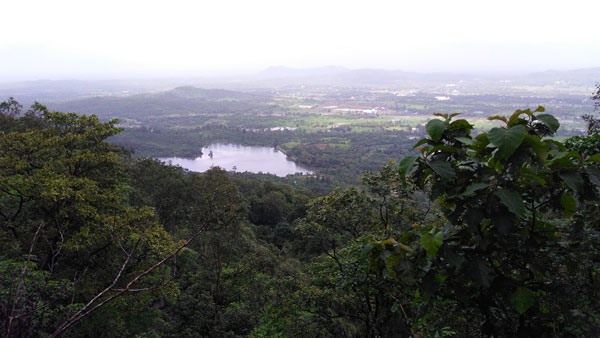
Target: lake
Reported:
[(240, 158)]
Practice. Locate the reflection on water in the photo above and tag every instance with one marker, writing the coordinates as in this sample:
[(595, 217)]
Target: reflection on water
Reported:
[(240, 158)]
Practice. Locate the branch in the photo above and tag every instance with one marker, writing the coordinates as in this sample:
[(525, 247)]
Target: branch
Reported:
[(90, 307)]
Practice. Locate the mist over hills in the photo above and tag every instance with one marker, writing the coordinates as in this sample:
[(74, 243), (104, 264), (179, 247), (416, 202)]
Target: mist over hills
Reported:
[(284, 72), (273, 78), (365, 76)]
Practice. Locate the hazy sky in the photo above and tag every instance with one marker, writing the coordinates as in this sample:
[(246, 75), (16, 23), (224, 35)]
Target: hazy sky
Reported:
[(68, 39)]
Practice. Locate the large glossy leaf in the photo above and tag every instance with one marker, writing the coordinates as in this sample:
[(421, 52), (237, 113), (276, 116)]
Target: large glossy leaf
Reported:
[(522, 299), (540, 148), (507, 141), (550, 121), (573, 180), (405, 167), (443, 168), (460, 124), (435, 129), (512, 200), (481, 142)]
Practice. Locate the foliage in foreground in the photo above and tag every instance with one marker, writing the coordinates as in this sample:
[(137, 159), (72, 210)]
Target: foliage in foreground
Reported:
[(515, 253), (488, 235), (520, 254)]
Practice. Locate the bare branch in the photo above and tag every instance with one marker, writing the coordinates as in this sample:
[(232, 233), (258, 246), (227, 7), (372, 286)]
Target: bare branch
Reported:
[(92, 306)]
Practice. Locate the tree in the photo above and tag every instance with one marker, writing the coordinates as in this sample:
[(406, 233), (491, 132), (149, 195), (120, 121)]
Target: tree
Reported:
[(520, 251), (72, 242), (11, 108), (339, 294), (593, 124), (596, 97), (589, 144)]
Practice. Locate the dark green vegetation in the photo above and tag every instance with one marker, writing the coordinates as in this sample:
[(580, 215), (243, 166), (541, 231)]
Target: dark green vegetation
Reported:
[(494, 234)]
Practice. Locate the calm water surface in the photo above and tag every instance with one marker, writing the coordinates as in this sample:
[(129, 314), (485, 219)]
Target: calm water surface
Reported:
[(240, 158)]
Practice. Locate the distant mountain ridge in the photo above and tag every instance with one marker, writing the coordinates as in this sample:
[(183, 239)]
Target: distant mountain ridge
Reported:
[(337, 75), (257, 85), (576, 76), (283, 72), (373, 76)]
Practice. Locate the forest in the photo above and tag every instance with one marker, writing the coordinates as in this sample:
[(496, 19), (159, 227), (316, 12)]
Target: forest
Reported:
[(466, 232)]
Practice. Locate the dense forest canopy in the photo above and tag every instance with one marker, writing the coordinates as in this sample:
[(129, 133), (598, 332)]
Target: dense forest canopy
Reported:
[(493, 234)]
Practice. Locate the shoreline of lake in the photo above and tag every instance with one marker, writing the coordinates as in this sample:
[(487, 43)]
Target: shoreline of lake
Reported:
[(241, 158)]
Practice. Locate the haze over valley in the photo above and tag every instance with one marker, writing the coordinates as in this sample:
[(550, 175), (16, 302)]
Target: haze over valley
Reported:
[(335, 169)]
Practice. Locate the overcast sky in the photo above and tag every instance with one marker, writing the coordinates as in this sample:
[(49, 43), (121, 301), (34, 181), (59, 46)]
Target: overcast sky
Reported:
[(84, 39)]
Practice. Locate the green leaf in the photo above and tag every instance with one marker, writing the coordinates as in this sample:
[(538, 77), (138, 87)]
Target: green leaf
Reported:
[(533, 176), (573, 180), (555, 144), (564, 160), (465, 140), (421, 142), (481, 142), (441, 147), (550, 121), (569, 204), (515, 119), (498, 117), (507, 141), (432, 243), (443, 168), (405, 167), (460, 124), (522, 299), (593, 175), (435, 128), (539, 109), (512, 200), (540, 148), (474, 187), (595, 158)]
